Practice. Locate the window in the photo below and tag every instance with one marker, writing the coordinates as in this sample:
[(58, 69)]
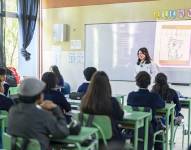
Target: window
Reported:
[(11, 41), (11, 28), (11, 6)]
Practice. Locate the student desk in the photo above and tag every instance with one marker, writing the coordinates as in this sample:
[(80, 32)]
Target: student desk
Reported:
[(76, 103), (84, 134), (186, 103), (168, 111), (135, 120)]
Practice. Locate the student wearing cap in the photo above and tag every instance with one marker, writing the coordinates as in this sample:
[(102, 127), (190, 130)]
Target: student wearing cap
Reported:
[(34, 118), (88, 73)]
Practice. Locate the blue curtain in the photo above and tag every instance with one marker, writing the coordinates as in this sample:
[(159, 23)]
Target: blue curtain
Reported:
[(27, 11)]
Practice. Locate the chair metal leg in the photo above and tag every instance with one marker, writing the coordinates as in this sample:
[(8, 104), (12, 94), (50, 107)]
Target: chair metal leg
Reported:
[(176, 127), (163, 144), (183, 129)]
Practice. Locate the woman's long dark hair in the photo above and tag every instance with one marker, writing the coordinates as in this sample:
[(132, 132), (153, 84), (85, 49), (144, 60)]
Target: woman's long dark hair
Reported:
[(147, 56), (56, 72), (50, 79), (97, 99), (161, 87)]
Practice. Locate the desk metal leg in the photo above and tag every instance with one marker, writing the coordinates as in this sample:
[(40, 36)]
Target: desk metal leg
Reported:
[(167, 128), (172, 130), (97, 142), (78, 146), (189, 123), (136, 137), (146, 133), (123, 98)]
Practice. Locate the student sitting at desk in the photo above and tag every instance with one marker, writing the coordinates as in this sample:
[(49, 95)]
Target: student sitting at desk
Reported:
[(59, 77), (88, 72), (98, 101), (144, 98), (35, 118), (3, 80), (168, 94), (50, 93), (5, 102)]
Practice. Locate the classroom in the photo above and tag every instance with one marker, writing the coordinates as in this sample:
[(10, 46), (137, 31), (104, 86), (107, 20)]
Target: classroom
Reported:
[(64, 41)]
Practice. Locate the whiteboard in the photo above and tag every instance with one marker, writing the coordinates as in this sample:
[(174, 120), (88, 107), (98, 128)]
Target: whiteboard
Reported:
[(113, 48)]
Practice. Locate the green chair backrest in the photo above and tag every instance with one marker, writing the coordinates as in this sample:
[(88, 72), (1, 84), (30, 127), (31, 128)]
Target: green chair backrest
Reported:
[(2, 124), (127, 108), (120, 101), (103, 124), (33, 144), (13, 90), (5, 120)]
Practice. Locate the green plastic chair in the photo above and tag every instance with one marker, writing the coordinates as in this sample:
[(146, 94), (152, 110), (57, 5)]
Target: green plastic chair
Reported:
[(13, 90), (33, 144), (127, 108), (120, 101), (5, 114), (103, 124), (5, 120)]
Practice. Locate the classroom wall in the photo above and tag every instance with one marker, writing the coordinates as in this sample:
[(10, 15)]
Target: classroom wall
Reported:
[(77, 17), (69, 3)]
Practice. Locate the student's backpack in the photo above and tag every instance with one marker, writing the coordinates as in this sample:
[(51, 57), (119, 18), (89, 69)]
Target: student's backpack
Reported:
[(12, 77)]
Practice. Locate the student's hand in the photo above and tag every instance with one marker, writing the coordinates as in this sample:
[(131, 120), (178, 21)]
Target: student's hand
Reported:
[(48, 105)]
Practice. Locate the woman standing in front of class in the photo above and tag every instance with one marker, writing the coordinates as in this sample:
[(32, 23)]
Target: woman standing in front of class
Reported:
[(144, 63)]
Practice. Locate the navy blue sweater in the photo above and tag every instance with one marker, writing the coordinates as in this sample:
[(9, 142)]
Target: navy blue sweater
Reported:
[(6, 88), (5, 103), (58, 98), (83, 87), (144, 98)]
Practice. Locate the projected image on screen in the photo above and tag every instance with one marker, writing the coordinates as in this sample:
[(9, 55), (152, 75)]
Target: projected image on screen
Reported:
[(173, 44)]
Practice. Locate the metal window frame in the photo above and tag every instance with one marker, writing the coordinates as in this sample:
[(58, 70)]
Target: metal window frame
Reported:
[(4, 14)]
